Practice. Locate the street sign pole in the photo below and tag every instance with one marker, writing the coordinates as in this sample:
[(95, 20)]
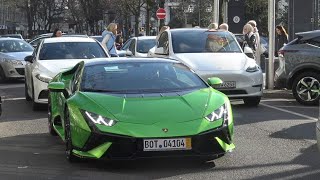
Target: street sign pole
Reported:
[(216, 11), (270, 72)]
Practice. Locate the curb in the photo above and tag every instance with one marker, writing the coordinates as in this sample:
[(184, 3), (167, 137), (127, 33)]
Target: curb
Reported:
[(283, 94)]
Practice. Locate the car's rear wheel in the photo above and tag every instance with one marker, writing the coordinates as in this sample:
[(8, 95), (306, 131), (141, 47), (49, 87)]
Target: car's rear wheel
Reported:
[(306, 88), (252, 101), (50, 123), (68, 140), (28, 98)]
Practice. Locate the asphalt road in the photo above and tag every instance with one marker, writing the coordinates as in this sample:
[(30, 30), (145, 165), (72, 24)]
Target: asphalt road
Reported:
[(273, 141)]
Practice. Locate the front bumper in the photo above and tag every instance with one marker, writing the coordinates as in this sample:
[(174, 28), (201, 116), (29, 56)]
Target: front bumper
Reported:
[(12, 71), (211, 143), (40, 91), (247, 84)]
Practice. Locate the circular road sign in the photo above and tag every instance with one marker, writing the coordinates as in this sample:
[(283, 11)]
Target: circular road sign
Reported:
[(161, 13), (236, 19)]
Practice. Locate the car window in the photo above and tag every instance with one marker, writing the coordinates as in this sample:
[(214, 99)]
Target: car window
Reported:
[(140, 77), (132, 46), (315, 41), (204, 41), (7, 46), (71, 50), (144, 45), (126, 44), (164, 41)]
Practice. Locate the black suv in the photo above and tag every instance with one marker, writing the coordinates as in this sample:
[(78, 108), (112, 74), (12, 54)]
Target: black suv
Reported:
[(299, 67)]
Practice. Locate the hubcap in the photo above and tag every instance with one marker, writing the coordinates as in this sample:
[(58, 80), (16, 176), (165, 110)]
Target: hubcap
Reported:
[(308, 89)]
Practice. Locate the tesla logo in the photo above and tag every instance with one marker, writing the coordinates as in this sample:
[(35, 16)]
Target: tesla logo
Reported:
[(165, 130)]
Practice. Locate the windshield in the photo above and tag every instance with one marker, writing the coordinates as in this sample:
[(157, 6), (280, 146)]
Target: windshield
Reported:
[(144, 45), (71, 50), (8, 46), (208, 41), (140, 77)]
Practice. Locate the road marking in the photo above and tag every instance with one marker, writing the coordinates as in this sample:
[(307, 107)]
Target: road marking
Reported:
[(290, 112), (14, 99)]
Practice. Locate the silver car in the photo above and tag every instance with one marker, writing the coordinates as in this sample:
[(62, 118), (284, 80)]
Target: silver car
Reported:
[(12, 54), (299, 67), (214, 53), (137, 46)]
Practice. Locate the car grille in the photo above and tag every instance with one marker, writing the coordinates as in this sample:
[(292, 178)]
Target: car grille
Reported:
[(20, 71), (233, 92)]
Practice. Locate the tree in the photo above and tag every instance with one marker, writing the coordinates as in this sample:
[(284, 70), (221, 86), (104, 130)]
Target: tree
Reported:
[(49, 13), (256, 10)]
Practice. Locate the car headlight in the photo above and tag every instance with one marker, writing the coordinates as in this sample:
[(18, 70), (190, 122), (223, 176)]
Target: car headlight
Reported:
[(12, 61), (98, 119), (221, 112), (252, 66), (43, 78)]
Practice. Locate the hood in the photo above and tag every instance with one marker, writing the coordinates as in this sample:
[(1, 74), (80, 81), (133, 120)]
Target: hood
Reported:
[(53, 67), (16, 55), (150, 110), (213, 61)]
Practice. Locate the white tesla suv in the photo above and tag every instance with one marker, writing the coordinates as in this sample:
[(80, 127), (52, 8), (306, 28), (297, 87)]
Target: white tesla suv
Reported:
[(214, 53)]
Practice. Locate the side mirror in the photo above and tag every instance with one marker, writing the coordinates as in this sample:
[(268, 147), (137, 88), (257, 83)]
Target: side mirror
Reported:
[(160, 50), (214, 81), (129, 53), (56, 86), (29, 59), (248, 51)]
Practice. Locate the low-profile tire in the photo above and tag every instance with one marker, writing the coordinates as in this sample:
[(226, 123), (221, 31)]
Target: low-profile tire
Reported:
[(68, 140), (306, 87), (252, 101), (50, 123), (28, 98)]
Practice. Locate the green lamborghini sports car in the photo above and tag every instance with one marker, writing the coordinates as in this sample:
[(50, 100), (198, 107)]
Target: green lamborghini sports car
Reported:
[(138, 108)]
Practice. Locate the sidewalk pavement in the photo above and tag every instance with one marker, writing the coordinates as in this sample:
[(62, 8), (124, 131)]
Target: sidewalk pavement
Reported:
[(277, 93)]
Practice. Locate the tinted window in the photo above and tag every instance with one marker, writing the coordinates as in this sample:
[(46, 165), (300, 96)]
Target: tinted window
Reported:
[(7, 46), (140, 77), (126, 44), (204, 41), (71, 50), (314, 41), (144, 45)]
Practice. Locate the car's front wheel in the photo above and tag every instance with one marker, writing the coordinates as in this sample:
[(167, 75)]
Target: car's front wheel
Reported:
[(252, 101), (306, 87), (68, 140)]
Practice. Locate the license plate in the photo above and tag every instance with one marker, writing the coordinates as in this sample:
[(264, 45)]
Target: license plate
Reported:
[(167, 144), (227, 85)]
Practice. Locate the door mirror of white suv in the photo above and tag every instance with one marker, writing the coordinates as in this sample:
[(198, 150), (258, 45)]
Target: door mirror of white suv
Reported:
[(160, 50), (248, 51)]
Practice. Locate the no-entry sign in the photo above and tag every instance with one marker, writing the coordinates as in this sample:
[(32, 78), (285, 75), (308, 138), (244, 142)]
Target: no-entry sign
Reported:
[(161, 13)]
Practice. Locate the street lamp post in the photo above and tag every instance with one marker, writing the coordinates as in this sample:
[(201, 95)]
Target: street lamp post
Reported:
[(216, 12), (270, 72)]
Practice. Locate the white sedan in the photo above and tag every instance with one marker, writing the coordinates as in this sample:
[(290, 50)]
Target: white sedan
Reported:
[(214, 53), (137, 46), (52, 56)]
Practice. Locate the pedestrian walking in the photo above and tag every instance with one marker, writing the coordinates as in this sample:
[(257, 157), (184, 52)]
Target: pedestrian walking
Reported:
[(224, 27), (281, 38), (56, 33), (109, 39), (152, 50), (258, 50)]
